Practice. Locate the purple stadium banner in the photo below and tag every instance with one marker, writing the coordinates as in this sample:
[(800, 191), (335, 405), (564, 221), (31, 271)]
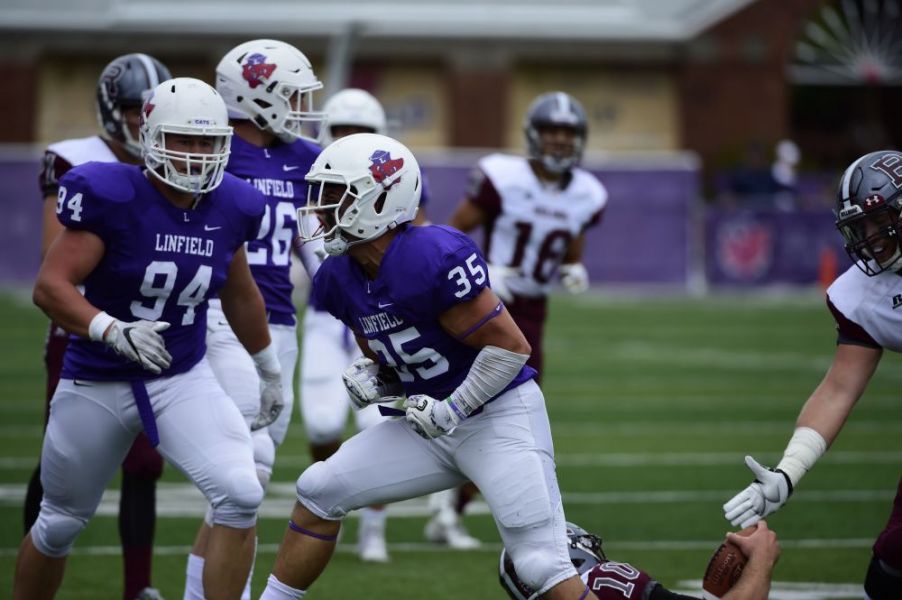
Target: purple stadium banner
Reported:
[(753, 248), (644, 238), (644, 235), (20, 226)]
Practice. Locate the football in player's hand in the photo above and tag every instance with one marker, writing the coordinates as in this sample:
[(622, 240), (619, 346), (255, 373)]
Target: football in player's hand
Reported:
[(724, 568)]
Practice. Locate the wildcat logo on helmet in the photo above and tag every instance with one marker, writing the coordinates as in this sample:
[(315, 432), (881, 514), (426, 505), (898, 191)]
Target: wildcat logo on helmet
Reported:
[(148, 106), (384, 166), (255, 70)]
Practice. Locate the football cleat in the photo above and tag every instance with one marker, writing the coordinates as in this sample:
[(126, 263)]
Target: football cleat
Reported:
[(371, 545)]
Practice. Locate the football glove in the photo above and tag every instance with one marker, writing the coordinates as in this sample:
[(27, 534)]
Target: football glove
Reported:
[(770, 491), (429, 417), (367, 383), (271, 402), (574, 277), (140, 341), (498, 274)]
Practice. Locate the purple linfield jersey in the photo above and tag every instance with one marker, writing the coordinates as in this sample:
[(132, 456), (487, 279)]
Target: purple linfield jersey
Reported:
[(424, 200), (278, 173), (425, 271), (161, 263)]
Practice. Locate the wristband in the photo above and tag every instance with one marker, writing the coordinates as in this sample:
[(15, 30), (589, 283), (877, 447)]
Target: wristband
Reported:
[(803, 450), (267, 361), (98, 326)]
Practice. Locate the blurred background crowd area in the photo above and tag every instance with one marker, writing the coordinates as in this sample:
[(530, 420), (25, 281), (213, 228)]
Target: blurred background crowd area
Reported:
[(719, 126)]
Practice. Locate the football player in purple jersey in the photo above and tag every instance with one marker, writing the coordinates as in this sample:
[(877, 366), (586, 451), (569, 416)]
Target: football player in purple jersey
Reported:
[(150, 247), (329, 347), (268, 88), (120, 90), (431, 329), (863, 302), (611, 580)]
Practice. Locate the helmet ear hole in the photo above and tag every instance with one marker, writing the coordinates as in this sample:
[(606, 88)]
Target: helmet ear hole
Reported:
[(380, 203)]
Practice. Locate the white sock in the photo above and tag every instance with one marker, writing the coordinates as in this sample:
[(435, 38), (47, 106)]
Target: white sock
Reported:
[(372, 518), (194, 578), (276, 590)]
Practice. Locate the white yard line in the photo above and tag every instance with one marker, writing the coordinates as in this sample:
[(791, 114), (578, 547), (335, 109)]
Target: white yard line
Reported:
[(184, 500), (608, 459), (493, 548)]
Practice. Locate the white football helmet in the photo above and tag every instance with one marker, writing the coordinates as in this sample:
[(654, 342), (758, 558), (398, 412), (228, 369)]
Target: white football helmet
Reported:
[(272, 84), (185, 106), (381, 189), (356, 108)]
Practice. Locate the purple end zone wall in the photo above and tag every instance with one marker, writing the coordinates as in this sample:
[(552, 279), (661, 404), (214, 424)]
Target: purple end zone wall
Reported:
[(20, 221), (644, 237)]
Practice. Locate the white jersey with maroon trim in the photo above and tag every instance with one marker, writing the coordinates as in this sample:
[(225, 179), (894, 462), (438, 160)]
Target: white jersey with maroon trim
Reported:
[(609, 580), (872, 303), (62, 156), (532, 223)]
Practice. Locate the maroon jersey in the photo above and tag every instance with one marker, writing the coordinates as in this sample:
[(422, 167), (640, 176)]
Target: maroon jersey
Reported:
[(619, 581)]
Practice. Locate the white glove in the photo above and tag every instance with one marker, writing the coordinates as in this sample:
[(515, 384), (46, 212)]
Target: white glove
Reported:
[(770, 491), (575, 277), (271, 402), (139, 341), (429, 417), (497, 276), (366, 384)]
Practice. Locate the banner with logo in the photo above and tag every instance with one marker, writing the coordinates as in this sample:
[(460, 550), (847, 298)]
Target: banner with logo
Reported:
[(759, 247)]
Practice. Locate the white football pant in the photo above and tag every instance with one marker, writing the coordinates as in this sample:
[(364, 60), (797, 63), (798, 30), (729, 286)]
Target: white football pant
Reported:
[(234, 369), (506, 451), (93, 424)]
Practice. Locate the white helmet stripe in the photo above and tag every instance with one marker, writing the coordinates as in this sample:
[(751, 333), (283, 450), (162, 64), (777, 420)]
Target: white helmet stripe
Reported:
[(153, 78), (847, 177), (564, 103)]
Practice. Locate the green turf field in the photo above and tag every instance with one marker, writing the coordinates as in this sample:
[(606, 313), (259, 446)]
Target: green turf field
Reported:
[(653, 404)]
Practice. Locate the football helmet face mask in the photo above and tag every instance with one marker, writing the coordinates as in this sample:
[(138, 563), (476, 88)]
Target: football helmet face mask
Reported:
[(868, 208), (185, 107), (352, 107), (585, 552), (124, 83), (362, 186), (272, 84), (555, 110)]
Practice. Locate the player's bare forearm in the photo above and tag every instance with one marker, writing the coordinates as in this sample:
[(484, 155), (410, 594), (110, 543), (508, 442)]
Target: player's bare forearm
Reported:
[(64, 304), (574, 253), (365, 348), (243, 306), (468, 216), (466, 321), (832, 401), (70, 258)]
